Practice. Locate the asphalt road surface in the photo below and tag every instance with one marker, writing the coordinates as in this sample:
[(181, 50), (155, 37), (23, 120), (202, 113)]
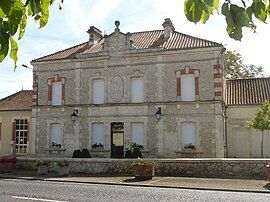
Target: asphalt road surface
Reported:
[(23, 190)]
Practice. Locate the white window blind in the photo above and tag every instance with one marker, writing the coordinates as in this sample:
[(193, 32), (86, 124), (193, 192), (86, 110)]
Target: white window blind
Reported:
[(98, 91), (56, 135), (56, 93), (188, 87), (98, 134), (188, 134), (137, 90), (137, 133)]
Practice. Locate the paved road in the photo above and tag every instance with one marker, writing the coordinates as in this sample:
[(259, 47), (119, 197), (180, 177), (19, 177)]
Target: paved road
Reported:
[(22, 190)]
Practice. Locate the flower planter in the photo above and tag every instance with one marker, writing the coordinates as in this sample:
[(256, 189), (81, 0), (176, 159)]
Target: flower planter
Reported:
[(6, 167), (43, 169), (63, 170), (268, 171), (144, 172)]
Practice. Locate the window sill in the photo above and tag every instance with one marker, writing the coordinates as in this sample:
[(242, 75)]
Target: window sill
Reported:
[(99, 150), (189, 151), (55, 149)]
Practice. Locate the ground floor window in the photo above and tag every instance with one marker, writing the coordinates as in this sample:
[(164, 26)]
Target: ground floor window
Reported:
[(188, 135), (98, 135), (21, 134), (56, 135), (137, 134)]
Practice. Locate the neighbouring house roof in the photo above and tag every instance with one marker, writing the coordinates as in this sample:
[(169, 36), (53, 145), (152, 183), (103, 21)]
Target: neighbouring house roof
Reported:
[(247, 91), (20, 101), (141, 40)]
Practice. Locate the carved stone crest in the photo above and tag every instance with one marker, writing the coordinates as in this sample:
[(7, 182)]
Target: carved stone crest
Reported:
[(117, 89)]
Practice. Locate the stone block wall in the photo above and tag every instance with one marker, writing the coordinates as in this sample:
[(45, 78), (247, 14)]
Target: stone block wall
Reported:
[(215, 168)]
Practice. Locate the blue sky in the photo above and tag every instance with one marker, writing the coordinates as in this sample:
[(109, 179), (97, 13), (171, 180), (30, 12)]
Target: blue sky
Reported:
[(68, 27)]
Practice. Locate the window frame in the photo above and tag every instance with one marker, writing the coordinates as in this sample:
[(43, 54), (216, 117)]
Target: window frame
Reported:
[(132, 95)]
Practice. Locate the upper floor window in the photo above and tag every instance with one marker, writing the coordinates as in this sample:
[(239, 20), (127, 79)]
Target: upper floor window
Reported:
[(56, 93), (56, 90), (137, 133), (98, 91), (137, 90), (188, 87), (98, 135), (56, 135)]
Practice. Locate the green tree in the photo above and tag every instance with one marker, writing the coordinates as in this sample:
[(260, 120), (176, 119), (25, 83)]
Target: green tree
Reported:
[(13, 20), (261, 121), (237, 69), (238, 14)]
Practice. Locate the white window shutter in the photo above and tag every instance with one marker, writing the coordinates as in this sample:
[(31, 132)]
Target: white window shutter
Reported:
[(56, 134), (188, 87), (137, 90), (98, 91), (137, 133), (98, 135), (188, 134), (56, 93)]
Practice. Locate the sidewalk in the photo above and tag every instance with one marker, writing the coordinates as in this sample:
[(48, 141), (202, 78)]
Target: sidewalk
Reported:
[(238, 185)]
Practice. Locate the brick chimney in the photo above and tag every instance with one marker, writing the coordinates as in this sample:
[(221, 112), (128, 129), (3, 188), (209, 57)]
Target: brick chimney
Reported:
[(168, 28), (94, 35)]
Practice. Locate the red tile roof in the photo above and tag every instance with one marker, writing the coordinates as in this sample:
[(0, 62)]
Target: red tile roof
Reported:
[(247, 91), (141, 40), (20, 101)]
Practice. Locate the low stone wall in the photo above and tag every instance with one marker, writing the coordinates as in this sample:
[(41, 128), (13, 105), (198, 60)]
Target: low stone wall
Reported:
[(221, 168)]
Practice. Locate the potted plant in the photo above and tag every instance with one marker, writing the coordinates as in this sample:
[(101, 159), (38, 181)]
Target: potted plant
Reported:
[(97, 146), (143, 169), (63, 169), (7, 163), (189, 146), (268, 171), (42, 166)]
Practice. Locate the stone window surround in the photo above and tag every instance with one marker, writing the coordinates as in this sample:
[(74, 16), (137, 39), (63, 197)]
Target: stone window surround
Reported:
[(187, 70), (13, 118), (91, 80), (48, 130), (136, 74), (56, 79), (198, 137), (91, 135), (144, 133)]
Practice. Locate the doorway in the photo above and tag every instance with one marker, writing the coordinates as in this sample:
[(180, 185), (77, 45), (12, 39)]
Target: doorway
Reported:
[(117, 140)]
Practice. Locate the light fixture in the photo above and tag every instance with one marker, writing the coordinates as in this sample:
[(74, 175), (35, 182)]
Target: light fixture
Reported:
[(158, 113), (74, 115)]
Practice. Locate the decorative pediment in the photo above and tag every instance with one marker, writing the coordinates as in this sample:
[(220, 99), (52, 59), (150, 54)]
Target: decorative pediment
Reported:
[(117, 41)]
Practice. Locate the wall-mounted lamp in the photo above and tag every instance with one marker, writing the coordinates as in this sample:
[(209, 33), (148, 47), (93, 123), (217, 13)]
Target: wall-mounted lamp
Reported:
[(74, 115), (158, 113)]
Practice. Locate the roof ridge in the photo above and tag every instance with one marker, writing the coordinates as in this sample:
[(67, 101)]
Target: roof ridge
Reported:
[(206, 40), (58, 52), (251, 78), (147, 31), (14, 94)]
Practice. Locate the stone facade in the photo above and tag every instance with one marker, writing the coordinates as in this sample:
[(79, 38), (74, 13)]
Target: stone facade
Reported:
[(117, 64), (244, 142)]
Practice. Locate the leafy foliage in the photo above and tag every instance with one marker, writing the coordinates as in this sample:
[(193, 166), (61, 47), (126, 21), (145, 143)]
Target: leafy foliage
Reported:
[(237, 69), (13, 20), (237, 16), (261, 121)]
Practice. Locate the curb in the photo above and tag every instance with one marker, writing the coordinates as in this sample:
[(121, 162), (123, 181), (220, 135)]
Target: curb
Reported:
[(141, 185)]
